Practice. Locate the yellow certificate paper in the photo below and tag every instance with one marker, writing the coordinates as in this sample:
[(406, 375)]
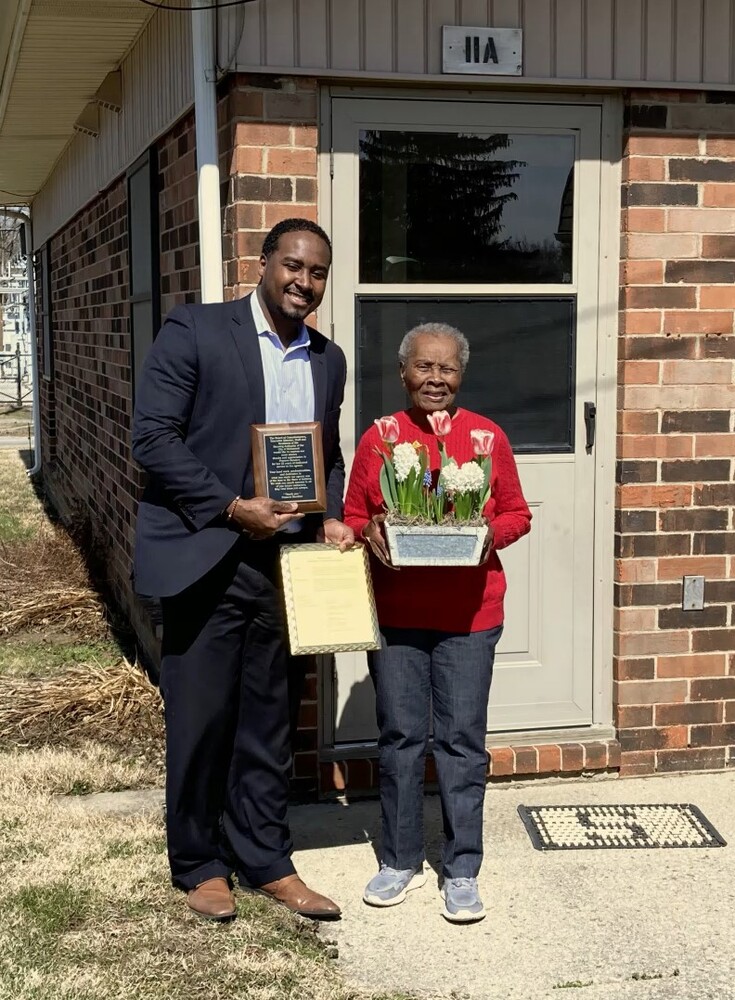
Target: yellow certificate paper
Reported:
[(330, 605)]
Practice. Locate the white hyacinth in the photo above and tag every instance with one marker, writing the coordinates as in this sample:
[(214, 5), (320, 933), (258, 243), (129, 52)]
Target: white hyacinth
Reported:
[(405, 459), (467, 478)]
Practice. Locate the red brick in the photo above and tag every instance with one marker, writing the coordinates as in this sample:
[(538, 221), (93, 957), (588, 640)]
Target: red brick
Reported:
[(655, 496), (644, 220), (549, 759), (690, 760), (595, 756), (572, 757), (293, 162), (658, 446), (698, 322), (525, 760), (275, 213), (634, 716), (711, 567), (634, 764), (642, 272), (691, 665), (637, 423), (718, 195), (641, 322), (644, 168), (501, 761), (713, 445), (688, 713), (665, 145), (721, 146), (717, 296), (650, 692), (639, 372)]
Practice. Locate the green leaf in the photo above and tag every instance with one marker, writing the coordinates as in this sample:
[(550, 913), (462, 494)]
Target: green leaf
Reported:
[(388, 483)]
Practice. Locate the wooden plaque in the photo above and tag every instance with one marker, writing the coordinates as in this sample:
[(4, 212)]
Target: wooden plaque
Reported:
[(288, 464)]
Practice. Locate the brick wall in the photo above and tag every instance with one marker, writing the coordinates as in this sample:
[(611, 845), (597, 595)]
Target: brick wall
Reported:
[(675, 670), (178, 216), (88, 469)]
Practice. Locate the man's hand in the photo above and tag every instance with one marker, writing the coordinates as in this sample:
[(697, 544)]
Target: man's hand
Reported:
[(262, 517), (336, 532), (488, 545), (373, 535)]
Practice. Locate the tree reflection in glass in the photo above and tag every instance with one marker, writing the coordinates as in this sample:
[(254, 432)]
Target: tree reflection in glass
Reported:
[(466, 207)]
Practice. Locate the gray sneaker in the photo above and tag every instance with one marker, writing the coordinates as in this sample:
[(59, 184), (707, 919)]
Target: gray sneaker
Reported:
[(390, 886), (462, 903)]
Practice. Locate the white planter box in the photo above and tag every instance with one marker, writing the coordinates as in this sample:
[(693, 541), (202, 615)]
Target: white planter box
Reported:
[(435, 544)]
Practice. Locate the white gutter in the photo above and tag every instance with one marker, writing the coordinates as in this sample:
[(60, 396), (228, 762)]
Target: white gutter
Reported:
[(207, 152)]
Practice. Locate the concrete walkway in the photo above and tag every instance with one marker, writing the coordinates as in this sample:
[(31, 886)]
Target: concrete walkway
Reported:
[(611, 918)]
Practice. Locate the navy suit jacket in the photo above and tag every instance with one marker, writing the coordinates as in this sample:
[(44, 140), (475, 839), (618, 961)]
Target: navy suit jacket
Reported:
[(200, 390)]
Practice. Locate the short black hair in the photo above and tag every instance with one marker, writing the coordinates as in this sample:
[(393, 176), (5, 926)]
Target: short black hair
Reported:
[(270, 243)]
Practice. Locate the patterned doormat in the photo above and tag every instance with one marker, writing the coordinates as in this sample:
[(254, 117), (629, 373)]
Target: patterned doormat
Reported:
[(573, 828)]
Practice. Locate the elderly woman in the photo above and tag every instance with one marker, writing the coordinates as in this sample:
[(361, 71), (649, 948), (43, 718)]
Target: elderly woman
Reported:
[(439, 628)]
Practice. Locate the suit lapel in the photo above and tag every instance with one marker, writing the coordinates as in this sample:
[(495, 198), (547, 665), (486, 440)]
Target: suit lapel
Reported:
[(246, 340), (319, 375)]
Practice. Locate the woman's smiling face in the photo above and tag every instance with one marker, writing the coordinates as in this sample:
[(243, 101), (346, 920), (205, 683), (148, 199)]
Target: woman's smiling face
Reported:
[(432, 373)]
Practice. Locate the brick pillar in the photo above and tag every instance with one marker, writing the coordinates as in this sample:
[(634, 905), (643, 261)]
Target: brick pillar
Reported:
[(675, 670), (268, 142), (268, 138)]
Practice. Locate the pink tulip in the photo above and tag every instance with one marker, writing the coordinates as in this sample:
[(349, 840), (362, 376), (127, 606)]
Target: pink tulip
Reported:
[(388, 429), (482, 442), (441, 422)]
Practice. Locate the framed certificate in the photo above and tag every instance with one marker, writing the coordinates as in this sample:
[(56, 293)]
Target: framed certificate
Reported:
[(330, 607), (288, 464)]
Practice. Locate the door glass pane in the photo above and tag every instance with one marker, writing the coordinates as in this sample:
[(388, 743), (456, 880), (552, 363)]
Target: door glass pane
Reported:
[(463, 207), (521, 368)]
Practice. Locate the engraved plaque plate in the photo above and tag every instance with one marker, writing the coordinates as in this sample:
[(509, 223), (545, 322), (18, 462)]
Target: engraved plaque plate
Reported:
[(288, 464)]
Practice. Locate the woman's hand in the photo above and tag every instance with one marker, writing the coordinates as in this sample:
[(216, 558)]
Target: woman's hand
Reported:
[(336, 532), (488, 545), (373, 535)]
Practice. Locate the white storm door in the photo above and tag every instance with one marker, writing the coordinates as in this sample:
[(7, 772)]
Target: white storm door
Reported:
[(484, 215)]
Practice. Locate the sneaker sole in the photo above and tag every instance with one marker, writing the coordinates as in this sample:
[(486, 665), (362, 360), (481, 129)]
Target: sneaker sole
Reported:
[(416, 882), (463, 916)]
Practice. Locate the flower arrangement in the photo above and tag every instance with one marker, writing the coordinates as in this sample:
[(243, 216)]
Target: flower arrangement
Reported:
[(406, 481)]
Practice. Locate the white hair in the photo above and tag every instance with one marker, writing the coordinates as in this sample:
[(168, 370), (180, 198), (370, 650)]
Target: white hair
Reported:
[(435, 330)]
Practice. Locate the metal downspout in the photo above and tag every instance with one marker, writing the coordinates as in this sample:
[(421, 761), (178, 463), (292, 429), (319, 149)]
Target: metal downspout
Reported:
[(207, 152), (35, 381)]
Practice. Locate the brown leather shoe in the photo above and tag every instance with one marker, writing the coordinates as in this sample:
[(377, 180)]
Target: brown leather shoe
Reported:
[(298, 897), (212, 900)]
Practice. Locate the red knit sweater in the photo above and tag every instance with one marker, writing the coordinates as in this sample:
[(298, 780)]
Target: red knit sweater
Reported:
[(446, 598)]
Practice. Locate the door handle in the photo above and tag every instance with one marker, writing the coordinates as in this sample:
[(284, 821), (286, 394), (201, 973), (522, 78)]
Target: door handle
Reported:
[(590, 420)]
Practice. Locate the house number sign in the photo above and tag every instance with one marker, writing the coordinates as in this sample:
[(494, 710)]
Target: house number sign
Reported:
[(488, 51)]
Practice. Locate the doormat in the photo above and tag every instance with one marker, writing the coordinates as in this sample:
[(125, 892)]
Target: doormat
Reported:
[(574, 828)]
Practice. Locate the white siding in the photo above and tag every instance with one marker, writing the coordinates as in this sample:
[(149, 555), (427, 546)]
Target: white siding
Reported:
[(661, 42), (157, 89)]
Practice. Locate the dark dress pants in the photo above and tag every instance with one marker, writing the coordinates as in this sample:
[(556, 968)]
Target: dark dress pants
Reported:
[(422, 677), (224, 680)]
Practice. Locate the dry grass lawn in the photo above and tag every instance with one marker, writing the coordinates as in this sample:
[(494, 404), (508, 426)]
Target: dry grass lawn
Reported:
[(88, 913)]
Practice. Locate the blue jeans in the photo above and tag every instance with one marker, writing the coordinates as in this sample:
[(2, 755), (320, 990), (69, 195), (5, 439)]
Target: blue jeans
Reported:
[(415, 671)]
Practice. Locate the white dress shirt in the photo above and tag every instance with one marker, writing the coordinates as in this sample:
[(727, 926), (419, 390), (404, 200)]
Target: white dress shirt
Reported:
[(289, 385)]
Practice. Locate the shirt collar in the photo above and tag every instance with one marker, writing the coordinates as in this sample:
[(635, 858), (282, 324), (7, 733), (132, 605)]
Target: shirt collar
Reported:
[(263, 327)]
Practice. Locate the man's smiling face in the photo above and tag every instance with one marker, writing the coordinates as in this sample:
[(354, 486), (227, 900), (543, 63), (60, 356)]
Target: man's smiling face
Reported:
[(293, 279)]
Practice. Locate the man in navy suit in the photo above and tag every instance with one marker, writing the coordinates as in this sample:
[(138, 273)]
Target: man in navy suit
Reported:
[(208, 548)]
